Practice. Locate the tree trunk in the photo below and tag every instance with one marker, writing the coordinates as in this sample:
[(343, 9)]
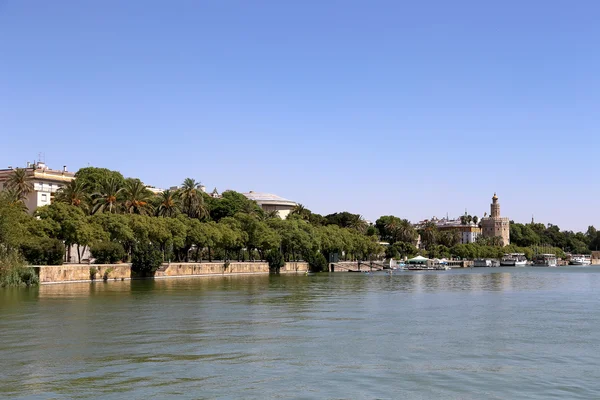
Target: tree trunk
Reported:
[(209, 255)]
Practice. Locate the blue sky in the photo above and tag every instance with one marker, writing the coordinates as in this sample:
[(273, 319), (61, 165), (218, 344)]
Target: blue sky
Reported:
[(376, 107)]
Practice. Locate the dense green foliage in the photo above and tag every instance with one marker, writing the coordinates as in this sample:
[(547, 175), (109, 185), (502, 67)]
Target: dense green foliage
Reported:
[(43, 251), (146, 259), (316, 262), (275, 260), (108, 252)]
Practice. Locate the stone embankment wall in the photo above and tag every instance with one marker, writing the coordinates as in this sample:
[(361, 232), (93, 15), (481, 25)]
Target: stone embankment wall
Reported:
[(235, 268), (81, 272)]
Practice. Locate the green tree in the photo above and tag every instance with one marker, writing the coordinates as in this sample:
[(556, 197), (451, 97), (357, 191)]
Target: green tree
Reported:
[(275, 260), (93, 177), (232, 203), (137, 197), (107, 252), (75, 193), (73, 226), (231, 237), (107, 196), (203, 235), (429, 235), (169, 204), (146, 259), (20, 182), (192, 201)]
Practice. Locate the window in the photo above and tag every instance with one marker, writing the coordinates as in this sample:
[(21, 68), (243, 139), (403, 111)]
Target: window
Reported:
[(44, 198)]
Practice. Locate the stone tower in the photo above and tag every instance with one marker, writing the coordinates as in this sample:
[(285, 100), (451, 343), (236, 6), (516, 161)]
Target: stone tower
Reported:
[(495, 225)]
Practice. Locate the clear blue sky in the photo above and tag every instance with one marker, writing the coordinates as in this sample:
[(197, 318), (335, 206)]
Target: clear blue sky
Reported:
[(376, 107)]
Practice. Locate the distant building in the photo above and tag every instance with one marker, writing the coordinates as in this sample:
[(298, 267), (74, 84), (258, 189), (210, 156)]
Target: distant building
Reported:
[(495, 225), (155, 190), (45, 182), (270, 202), (469, 232)]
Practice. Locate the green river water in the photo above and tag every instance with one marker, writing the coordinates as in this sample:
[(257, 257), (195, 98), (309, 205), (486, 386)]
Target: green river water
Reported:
[(491, 333)]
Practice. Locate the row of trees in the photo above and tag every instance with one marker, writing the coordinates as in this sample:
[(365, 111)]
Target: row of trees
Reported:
[(120, 219)]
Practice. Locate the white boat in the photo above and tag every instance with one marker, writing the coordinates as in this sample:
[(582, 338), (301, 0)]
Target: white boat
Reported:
[(484, 262), (580, 259), (545, 260), (513, 260)]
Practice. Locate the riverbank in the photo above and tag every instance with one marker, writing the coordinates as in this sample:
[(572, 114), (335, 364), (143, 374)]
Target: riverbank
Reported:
[(71, 273)]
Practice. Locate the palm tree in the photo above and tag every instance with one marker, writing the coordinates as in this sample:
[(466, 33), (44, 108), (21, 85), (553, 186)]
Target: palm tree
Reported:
[(107, 196), (250, 207), (429, 234), (74, 193), (137, 197), (402, 231), (20, 181), (169, 204), (192, 201), (13, 199), (405, 232), (302, 211), (358, 223), (270, 215)]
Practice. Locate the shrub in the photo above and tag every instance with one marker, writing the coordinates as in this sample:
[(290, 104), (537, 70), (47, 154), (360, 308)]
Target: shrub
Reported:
[(43, 251), (146, 259), (316, 262), (108, 252), (93, 272), (107, 273), (12, 271), (275, 260)]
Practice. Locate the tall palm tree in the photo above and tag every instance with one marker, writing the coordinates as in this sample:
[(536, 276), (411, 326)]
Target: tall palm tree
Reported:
[(192, 202), (74, 193), (20, 181), (405, 232), (137, 197), (169, 204), (429, 234), (107, 196)]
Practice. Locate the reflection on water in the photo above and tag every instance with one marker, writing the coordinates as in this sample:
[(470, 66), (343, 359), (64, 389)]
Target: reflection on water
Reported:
[(468, 334)]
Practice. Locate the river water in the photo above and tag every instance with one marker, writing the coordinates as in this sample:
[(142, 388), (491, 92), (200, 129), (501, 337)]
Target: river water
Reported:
[(514, 333)]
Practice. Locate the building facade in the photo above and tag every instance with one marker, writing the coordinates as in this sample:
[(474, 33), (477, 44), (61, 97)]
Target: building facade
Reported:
[(495, 225), (468, 232), (45, 183), (270, 202)]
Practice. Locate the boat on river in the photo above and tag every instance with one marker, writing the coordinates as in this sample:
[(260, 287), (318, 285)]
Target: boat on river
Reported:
[(545, 260), (580, 259), (513, 260)]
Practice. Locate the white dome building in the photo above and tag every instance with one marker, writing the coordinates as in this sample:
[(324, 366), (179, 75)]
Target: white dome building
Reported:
[(270, 202)]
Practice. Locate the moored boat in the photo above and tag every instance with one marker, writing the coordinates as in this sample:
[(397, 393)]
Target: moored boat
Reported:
[(545, 260), (485, 262), (580, 259), (513, 260)]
